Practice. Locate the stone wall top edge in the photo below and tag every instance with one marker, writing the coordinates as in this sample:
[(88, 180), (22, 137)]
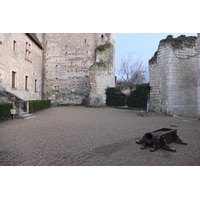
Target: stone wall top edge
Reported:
[(179, 44)]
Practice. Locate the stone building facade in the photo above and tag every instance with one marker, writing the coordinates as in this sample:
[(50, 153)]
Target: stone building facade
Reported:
[(174, 77), (65, 67), (20, 66)]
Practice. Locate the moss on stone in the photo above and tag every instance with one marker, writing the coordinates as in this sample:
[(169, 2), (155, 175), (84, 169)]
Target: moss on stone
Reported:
[(180, 42), (177, 43), (102, 47)]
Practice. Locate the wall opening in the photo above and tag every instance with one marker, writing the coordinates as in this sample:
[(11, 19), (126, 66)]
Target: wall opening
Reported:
[(35, 85), (14, 45), (13, 79), (28, 51), (26, 82)]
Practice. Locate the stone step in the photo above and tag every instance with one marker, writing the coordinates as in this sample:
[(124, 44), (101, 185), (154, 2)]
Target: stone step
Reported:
[(25, 115), (30, 117)]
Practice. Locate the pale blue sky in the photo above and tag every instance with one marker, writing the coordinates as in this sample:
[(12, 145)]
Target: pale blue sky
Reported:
[(141, 45)]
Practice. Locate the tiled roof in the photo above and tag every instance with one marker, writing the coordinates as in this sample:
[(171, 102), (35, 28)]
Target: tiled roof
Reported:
[(34, 38)]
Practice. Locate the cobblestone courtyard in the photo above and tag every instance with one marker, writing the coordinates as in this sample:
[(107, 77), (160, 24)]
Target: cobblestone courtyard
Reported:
[(80, 136)]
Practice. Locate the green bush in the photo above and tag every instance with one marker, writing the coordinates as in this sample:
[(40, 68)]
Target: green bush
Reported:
[(139, 97), (5, 110), (37, 105), (114, 97)]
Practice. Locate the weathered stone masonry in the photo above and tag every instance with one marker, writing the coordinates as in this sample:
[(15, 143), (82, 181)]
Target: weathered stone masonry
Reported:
[(13, 59), (174, 77), (75, 70), (66, 68)]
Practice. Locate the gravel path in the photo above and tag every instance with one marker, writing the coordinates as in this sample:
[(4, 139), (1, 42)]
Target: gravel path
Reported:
[(80, 136)]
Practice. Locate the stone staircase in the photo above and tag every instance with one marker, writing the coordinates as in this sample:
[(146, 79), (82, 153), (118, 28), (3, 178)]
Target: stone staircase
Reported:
[(6, 96), (25, 115), (19, 104)]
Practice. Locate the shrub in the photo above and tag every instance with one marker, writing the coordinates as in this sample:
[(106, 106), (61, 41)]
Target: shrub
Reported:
[(5, 110), (37, 105), (139, 97), (114, 97)]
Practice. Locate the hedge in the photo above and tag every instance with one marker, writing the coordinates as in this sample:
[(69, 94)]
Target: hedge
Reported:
[(114, 97), (5, 111), (37, 105), (139, 97)]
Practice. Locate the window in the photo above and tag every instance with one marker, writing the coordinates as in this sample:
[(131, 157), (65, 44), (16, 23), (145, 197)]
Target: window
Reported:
[(13, 79), (35, 85), (26, 82), (101, 36), (28, 51), (14, 45)]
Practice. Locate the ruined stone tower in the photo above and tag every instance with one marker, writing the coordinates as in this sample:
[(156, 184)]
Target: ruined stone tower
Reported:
[(78, 67), (174, 77)]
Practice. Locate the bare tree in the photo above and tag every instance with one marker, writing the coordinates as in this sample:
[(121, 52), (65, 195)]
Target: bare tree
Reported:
[(131, 72)]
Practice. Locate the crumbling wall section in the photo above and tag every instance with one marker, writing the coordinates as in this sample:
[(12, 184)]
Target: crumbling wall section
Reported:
[(102, 74), (173, 77), (70, 69), (154, 72)]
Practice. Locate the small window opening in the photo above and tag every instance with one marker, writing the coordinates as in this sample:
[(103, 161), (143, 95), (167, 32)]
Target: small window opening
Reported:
[(26, 82), (28, 51), (14, 45), (35, 85), (13, 79), (101, 36)]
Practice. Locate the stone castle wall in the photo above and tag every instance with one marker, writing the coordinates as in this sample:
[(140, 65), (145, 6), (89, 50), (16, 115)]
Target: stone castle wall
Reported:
[(173, 77), (67, 62), (13, 60), (102, 75), (68, 69)]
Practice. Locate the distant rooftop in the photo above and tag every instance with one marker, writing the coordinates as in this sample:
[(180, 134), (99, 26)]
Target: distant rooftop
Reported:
[(34, 38)]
